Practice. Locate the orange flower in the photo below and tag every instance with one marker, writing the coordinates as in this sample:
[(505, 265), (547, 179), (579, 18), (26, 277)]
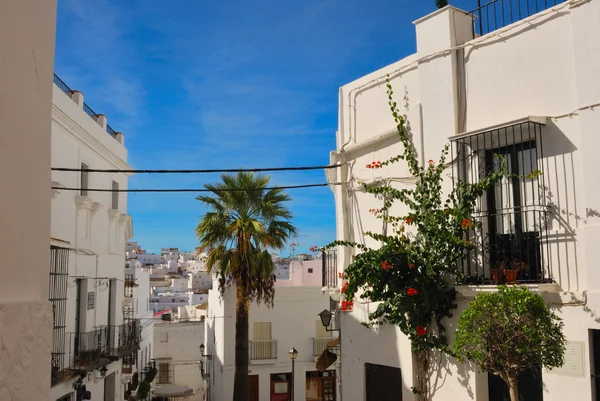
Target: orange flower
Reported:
[(466, 223), (409, 220), (411, 292), (386, 265), (411, 266)]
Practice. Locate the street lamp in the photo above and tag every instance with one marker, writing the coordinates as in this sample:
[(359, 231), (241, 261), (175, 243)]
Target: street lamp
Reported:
[(202, 348), (293, 354), (326, 320)]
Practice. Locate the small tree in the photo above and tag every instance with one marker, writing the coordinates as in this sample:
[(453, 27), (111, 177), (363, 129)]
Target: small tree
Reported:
[(508, 332)]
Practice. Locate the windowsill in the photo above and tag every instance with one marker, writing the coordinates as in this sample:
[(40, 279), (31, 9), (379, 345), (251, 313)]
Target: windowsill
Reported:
[(471, 291)]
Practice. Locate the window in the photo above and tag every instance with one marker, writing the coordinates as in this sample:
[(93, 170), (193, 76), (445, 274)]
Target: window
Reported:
[(114, 204), (163, 373), (263, 346), (85, 179), (91, 300), (512, 215), (383, 383), (310, 269), (530, 387), (164, 337), (59, 274)]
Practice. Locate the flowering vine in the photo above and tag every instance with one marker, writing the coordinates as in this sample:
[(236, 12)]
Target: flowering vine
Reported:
[(411, 276)]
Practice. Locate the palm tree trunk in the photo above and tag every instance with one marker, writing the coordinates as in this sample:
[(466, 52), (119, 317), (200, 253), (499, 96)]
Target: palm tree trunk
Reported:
[(240, 381), (513, 388)]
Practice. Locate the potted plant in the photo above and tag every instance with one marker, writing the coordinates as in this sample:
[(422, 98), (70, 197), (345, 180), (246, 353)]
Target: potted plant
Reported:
[(512, 269)]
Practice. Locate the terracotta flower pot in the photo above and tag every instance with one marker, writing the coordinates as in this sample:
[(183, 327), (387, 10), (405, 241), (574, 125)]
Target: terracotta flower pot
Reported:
[(495, 275), (511, 275)]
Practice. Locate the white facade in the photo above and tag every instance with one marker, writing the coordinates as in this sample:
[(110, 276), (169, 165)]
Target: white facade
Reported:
[(546, 66), (292, 322), (177, 355), (27, 31), (89, 229)]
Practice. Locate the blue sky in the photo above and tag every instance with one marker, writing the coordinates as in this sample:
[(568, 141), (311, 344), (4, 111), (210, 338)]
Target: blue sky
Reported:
[(198, 84)]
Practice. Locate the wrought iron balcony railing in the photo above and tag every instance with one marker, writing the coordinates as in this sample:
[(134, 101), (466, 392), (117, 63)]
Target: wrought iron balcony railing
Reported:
[(263, 349), (122, 340), (510, 243), (495, 14)]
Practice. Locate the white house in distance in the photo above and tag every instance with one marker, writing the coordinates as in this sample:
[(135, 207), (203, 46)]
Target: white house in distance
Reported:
[(177, 356), (96, 335), (526, 86), (293, 322)]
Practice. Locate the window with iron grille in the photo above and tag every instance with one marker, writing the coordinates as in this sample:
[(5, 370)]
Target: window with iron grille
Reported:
[(512, 215), (163, 373), (58, 282)]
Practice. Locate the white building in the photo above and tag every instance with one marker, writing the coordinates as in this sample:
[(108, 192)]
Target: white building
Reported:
[(292, 322), (177, 356), (479, 94), (95, 332), (27, 32)]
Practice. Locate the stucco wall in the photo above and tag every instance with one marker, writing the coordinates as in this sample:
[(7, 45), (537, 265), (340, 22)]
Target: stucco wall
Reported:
[(542, 67), (27, 31)]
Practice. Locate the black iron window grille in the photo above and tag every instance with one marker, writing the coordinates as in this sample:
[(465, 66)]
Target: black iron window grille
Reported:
[(67, 397), (329, 272), (129, 285), (496, 14), (58, 283), (511, 244)]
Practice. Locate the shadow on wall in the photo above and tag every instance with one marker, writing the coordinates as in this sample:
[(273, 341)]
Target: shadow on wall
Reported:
[(559, 189), (370, 362)]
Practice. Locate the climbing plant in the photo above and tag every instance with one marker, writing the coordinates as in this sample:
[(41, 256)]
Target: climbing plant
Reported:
[(412, 274)]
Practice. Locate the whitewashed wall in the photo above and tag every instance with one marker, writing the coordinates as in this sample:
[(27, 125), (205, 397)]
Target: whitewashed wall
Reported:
[(542, 67)]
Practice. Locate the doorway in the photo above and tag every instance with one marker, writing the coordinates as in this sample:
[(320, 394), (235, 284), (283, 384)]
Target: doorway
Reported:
[(320, 386), (281, 386), (109, 387), (253, 387)]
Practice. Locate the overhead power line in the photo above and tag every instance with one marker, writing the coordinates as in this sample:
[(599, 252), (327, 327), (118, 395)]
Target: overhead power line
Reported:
[(195, 190), (201, 171)]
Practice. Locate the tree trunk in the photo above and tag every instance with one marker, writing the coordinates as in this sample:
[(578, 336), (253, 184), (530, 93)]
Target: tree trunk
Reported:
[(513, 388), (240, 381)]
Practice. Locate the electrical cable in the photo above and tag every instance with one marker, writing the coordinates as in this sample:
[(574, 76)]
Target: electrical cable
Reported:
[(197, 190), (201, 171)]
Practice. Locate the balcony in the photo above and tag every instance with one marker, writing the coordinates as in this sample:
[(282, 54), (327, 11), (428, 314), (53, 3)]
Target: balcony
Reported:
[(320, 344), (263, 350), (511, 243), (495, 14), (129, 285), (94, 349), (329, 271), (123, 340)]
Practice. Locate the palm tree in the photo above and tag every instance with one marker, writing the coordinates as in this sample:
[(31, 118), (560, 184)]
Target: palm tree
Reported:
[(238, 230)]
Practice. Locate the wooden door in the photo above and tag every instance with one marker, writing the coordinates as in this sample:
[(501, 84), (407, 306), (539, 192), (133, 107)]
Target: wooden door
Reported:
[(383, 383), (253, 387)]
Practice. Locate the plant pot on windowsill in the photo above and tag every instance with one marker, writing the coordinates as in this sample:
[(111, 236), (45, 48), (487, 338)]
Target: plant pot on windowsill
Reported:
[(496, 275), (511, 275)]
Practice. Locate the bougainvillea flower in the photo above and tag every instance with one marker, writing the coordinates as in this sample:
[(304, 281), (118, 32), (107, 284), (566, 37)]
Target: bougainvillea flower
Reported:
[(411, 292), (421, 331)]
